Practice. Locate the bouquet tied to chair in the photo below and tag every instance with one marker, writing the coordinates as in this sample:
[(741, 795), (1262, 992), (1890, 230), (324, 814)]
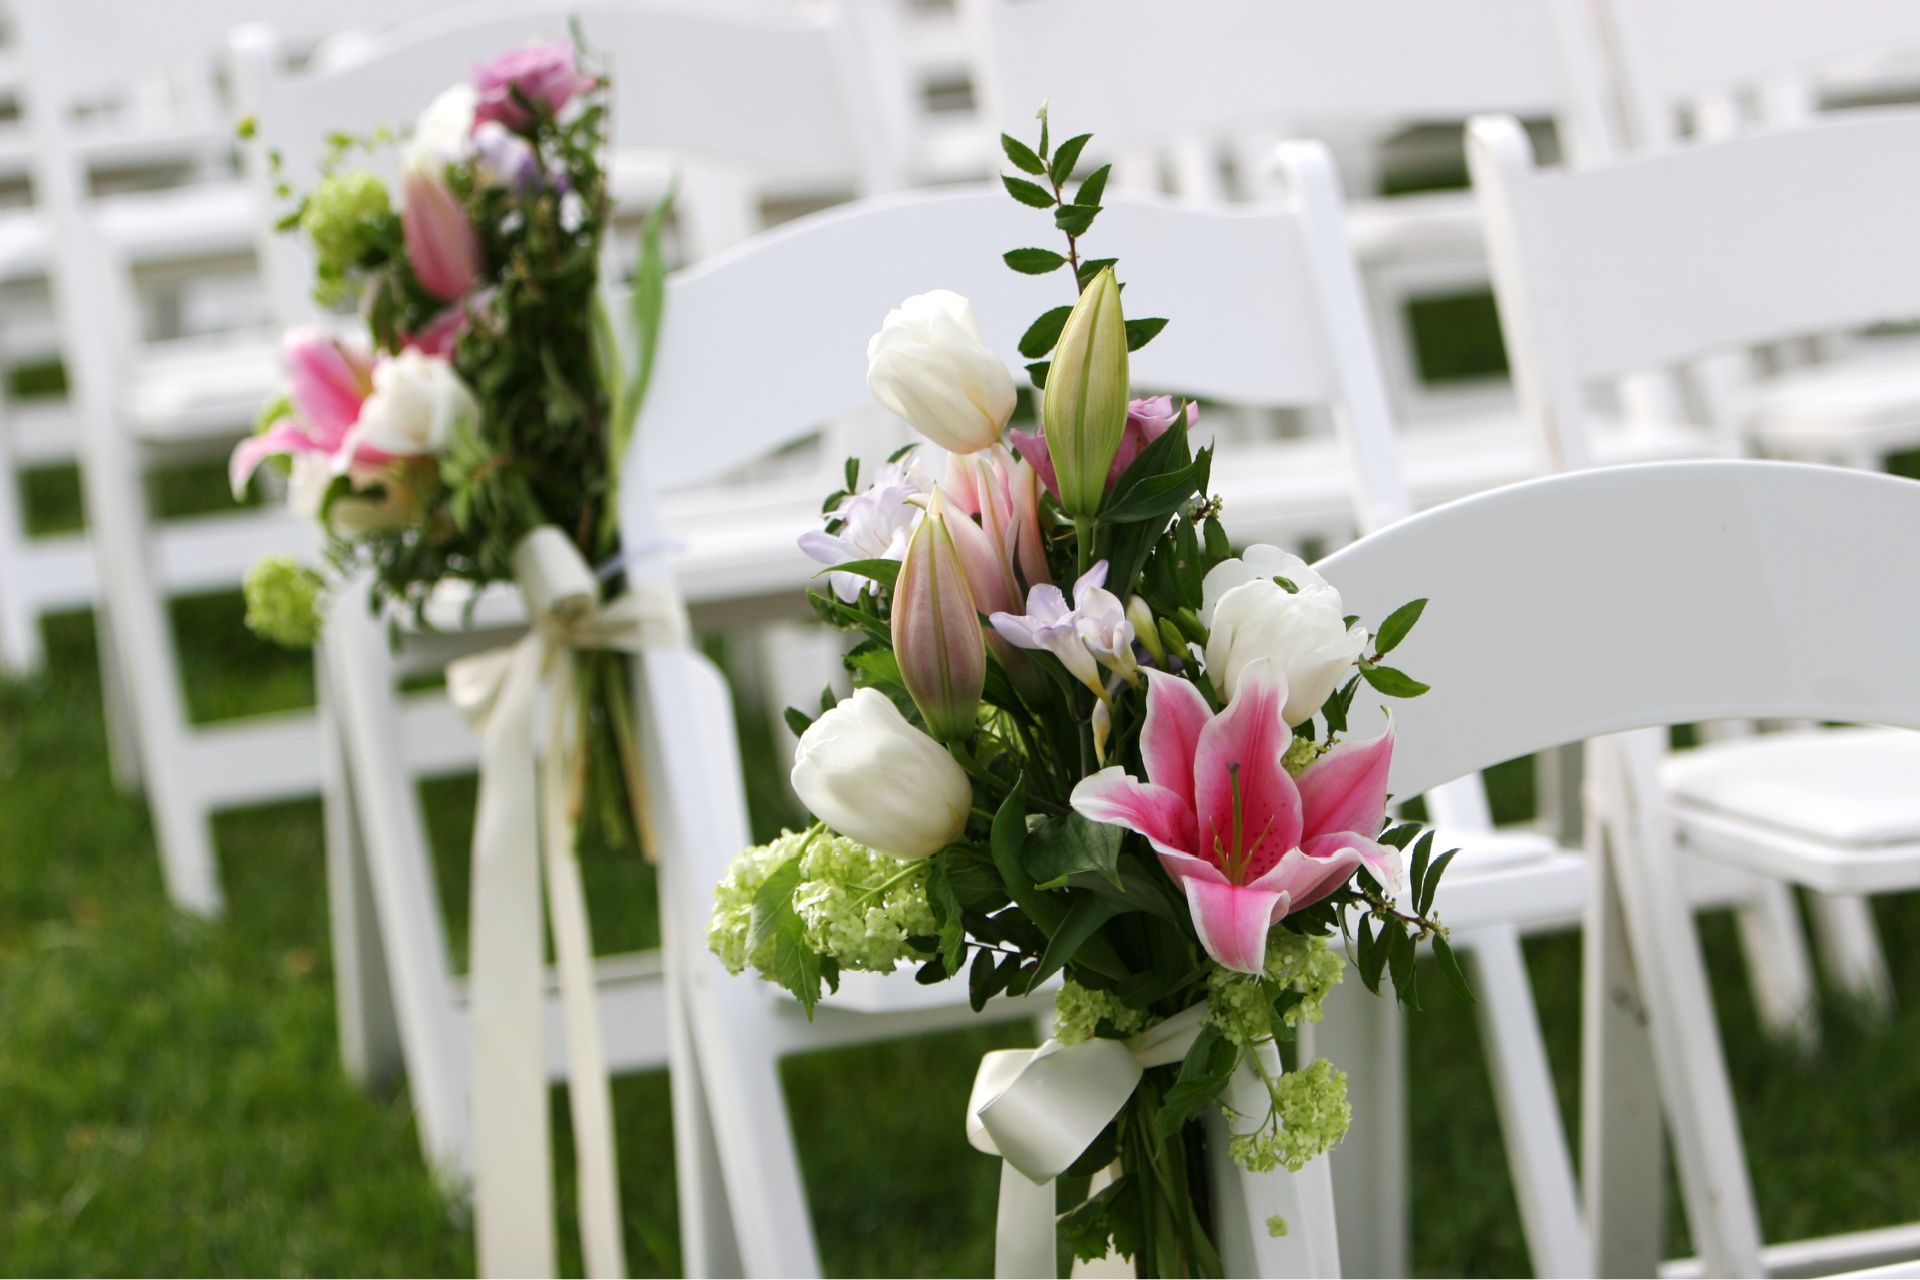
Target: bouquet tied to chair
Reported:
[(463, 426), (1089, 744)]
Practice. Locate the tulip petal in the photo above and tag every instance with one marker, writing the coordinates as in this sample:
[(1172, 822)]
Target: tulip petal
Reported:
[(1176, 714), (1313, 871), (1385, 863), (1346, 789), (1155, 812), (1245, 743), (1232, 921)]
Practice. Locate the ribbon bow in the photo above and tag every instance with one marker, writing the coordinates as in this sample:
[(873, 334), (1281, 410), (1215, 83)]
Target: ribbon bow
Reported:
[(525, 820), (1038, 1109)]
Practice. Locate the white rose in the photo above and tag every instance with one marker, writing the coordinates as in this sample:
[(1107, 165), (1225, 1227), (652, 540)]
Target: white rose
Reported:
[(443, 134), (871, 776), (417, 401), (1304, 631), (929, 365)]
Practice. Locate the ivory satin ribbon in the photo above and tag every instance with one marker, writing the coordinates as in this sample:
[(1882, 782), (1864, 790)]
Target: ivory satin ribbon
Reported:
[(1038, 1109), (523, 825)]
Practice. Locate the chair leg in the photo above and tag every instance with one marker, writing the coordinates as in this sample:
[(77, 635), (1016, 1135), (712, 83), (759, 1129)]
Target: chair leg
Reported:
[(708, 1243), (1365, 1036), (363, 992), (1695, 1092), (1530, 1120), (1849, 942), (1777, 962), (1623, 1156)]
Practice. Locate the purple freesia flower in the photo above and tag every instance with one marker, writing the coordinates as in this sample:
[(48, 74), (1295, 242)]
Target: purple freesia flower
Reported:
[(875, 524), (1093, 631), (1147, 421), (545, 74), (503, 158)]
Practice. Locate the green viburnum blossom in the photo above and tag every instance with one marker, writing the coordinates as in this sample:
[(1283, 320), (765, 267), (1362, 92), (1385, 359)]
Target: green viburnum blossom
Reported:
[(1243, 1003), (346, 217), (733, 898), (283, 601), (1078, 1010), (1310, 1113), (860, 906), (1301, 753)]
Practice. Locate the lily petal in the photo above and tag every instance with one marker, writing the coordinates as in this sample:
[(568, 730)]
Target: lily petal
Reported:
[(1346, 789), (1155, 812), (1176, 713), (1233, 920), (1386, 864), (1245, 743), (1310, 873), (327, 383), (284, 436)]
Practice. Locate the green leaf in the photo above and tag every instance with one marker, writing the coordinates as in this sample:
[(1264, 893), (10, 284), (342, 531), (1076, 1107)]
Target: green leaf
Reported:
[(1094, 187), (1421, 852), (1112, 1215), (1008, 840), (1074, 219), (1400, 957), (1028, 192), (1401, 836), (934, 970), (1335, 708), (647, 308), (947, 912), (1082, 920), (1021, 154), (850, 470), (1141, 332), (1372, 957), (882, 570), (1044, 334), (797, 720), (796, 966), (1398, 623), (1204, 1075), (1091, 267), (1395, 684), (1034, 262), (873, 663), (1062, 846), (1423, 902), (980, 979), (1450, 969), (1067, 156), (1037, 373), (1158, 497)]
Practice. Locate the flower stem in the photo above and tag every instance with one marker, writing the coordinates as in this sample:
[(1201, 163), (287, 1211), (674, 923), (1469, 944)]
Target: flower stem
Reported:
[(1083, 542)]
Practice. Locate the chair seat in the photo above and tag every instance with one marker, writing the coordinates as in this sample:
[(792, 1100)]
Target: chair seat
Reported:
[(1857, 788), (1866, 403), (197, 389), (207, 220)]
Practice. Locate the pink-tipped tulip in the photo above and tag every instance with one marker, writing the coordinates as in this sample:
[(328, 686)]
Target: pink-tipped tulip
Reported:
[(1247, 842), (936, 628), (442, 247)]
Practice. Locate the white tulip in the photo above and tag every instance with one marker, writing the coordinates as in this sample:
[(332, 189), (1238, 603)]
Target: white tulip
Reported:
[(417, 401), (443, 134), (929, 365), (1303, 631), (874, 778)]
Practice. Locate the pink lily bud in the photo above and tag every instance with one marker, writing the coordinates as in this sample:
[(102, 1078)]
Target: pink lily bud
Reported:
[(936, 628), (442, 247)]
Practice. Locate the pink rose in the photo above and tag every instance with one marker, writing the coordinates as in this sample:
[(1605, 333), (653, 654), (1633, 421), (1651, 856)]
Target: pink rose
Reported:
[(544, 74)]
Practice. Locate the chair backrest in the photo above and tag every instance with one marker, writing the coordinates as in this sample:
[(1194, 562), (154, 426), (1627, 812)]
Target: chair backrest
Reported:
[(1625, 597), (774, 93), (1139, 72), (1652, 261), (1672, 53), (764, 343)]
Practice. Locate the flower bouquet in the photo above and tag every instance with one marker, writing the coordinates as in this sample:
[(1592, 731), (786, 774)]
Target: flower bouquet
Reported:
[(1141, 786), (465, 428)]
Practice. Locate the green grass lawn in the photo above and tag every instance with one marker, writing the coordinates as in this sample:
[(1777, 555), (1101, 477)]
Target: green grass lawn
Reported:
[(171, 1100)]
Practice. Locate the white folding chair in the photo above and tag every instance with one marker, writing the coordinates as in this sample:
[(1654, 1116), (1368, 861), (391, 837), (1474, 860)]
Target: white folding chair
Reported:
[(1560, 635), (137, 402), (1672, 257)]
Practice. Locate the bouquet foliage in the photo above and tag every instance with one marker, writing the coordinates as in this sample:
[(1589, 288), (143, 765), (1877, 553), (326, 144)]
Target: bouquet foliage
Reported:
[(1142, 785)]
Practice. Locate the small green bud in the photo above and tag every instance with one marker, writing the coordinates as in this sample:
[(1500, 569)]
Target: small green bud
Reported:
[(1085, 409), (283, 601)]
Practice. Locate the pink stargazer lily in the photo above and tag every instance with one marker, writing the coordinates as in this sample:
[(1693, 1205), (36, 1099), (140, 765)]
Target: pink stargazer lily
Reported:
[(327, 381), (1247, 842)]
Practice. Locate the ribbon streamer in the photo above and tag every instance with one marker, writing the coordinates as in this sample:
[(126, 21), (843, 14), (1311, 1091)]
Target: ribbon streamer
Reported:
[(1038, 1109), (524, 829)]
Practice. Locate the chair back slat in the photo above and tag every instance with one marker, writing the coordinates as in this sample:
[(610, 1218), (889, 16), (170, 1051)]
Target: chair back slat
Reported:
[(736, 377), (1623, 597), (1205, 65)]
